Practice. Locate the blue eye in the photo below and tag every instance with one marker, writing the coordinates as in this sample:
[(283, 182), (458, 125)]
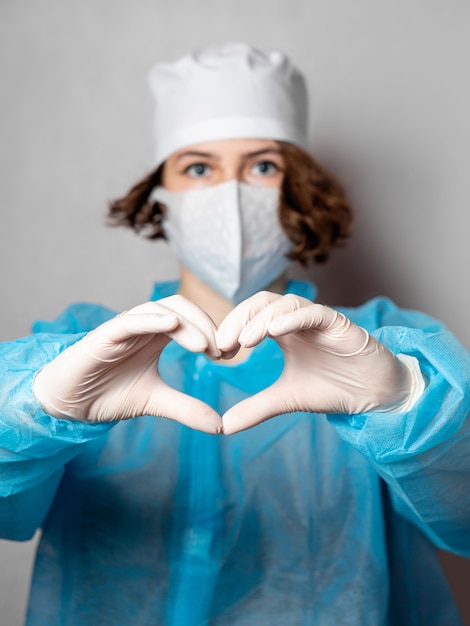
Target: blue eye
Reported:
[(265, 168), (198, 170)]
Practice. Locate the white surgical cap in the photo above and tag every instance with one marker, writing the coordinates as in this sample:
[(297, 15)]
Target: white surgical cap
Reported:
[(227, 92)]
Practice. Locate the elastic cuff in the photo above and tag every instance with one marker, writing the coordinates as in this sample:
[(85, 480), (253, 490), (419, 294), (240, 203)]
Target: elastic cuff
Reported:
[(418, 385)]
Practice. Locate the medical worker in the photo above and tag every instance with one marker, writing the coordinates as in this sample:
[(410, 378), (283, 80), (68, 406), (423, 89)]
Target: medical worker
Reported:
[(351, 458)]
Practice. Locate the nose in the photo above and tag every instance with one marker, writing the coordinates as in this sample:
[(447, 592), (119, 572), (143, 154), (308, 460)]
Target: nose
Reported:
[(231, 172)]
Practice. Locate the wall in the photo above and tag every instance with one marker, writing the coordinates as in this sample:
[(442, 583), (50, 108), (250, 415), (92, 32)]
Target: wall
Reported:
[(390, 116)]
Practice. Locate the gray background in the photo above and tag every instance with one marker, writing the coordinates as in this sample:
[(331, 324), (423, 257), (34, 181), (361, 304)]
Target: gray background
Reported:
[(389, 100)]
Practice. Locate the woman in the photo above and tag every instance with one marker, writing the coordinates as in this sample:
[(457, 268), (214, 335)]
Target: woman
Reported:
[(301, 520)]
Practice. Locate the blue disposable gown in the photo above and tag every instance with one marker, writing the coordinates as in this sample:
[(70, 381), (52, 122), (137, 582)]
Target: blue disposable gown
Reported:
[(303, 520)]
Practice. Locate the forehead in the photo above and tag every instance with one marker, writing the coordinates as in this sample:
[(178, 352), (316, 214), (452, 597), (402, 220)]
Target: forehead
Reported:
[(228, 148)]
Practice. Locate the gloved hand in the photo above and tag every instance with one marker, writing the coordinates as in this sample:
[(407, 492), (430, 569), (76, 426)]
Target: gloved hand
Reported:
[(112, 373), (330, 364)]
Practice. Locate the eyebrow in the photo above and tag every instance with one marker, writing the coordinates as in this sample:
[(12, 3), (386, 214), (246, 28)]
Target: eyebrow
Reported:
[(195, 153), (263, 151), (210, 155)]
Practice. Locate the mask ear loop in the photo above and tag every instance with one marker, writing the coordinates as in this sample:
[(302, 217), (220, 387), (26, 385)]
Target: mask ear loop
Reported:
[(341, 329)]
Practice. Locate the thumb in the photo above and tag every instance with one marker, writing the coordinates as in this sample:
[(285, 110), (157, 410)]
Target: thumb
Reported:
[(175, 405), (272, 401)]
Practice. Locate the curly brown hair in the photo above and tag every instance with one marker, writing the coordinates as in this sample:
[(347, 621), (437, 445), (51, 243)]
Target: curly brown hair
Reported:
[(314, 211)]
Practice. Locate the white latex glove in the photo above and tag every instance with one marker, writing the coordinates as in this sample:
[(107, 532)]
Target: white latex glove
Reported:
[(330, 364), (112, 373)]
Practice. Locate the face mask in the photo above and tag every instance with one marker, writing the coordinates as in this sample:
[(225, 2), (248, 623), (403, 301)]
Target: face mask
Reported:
[(228, 235)]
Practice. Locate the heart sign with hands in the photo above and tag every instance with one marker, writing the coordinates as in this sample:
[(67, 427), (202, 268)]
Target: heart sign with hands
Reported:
[(112, 373), (330, 364)]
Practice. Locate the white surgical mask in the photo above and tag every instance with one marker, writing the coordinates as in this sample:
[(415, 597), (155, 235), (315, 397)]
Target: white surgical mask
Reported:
[(228, 235)]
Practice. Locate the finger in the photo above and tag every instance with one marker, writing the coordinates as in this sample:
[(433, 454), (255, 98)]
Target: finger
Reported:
[(231, 327), (256, 409), (308, 317), (195, 332), (131, 323), (175, 405), (341, 337), (226, 355), (258, 328), (196, 316)]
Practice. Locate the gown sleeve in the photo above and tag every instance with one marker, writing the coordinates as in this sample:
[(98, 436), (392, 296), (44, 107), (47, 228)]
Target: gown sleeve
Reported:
[(422, 454), (34, 447)]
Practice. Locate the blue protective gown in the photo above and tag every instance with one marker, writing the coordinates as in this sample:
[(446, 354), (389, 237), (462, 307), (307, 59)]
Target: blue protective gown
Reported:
[(303, 520)]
